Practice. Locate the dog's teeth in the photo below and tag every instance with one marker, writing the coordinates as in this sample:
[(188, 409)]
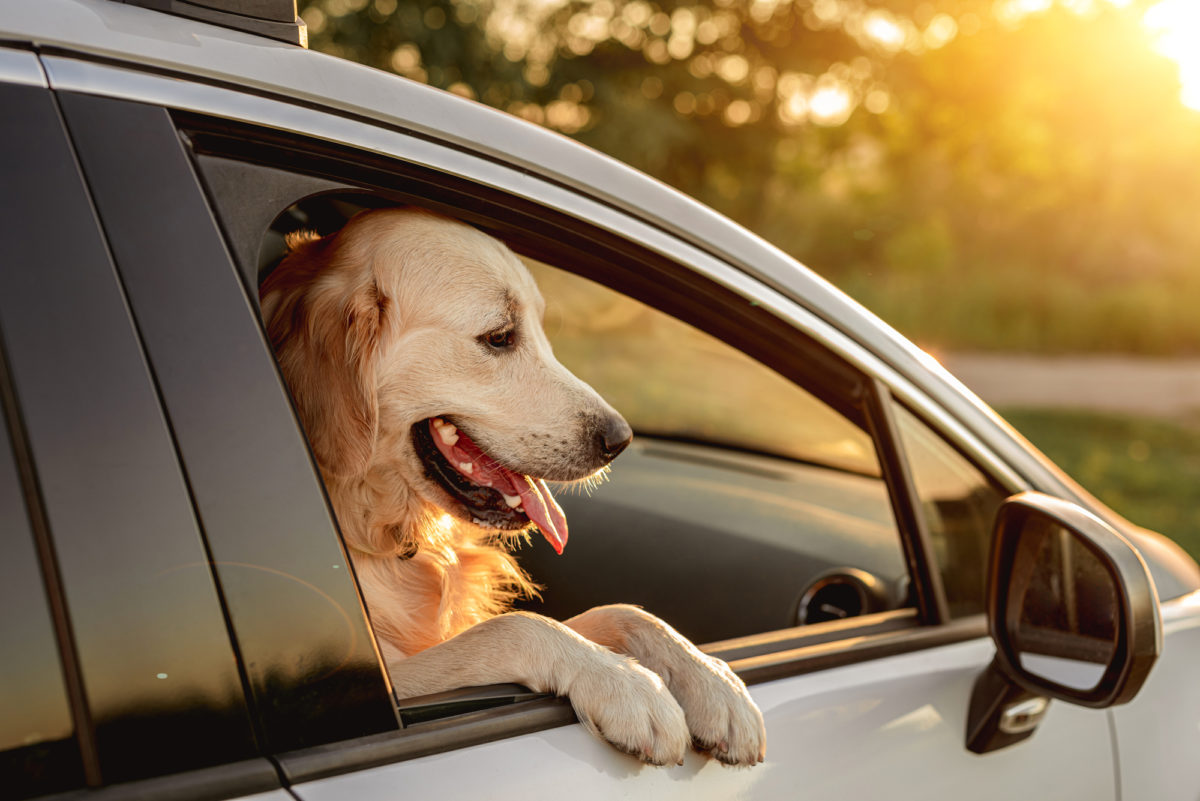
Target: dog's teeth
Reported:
[(466, 467), (513, 501), (438, 422), (521, 509), (448, 433)]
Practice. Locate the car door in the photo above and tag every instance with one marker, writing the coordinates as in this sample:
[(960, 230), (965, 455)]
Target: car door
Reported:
[(869, 705), (118, 667)]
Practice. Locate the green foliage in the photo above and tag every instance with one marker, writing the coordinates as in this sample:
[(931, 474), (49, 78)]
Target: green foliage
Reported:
[(1034, 307), (1147, 470), (924, 247), (984, 180)]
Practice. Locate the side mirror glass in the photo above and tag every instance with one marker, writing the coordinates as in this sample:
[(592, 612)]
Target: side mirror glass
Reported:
[(1074, 615), (1071, 605), (1062, 598)]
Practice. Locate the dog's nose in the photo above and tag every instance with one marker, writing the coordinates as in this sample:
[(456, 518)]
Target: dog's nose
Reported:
[(613, 437)]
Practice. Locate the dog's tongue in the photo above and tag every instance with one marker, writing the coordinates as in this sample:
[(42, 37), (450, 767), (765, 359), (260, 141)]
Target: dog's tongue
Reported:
[(541, 508), (530, 494)]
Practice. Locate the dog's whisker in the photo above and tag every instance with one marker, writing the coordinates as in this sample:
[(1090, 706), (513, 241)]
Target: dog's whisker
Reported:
[(584, 485)]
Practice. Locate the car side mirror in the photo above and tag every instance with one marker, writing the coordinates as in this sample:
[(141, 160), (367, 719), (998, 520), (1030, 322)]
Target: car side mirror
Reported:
[(1074, 615)]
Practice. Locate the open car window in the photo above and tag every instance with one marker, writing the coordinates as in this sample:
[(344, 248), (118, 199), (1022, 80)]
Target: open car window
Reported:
[(753, 498), (746, 504)]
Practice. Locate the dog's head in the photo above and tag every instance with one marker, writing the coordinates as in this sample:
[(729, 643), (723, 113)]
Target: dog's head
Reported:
[(414, 349)]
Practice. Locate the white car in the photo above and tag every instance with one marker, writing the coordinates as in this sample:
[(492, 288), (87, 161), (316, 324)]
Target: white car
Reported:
[(902, 580)]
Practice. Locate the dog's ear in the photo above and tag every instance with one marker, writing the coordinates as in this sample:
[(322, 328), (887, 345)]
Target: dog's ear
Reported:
[(324, 315)]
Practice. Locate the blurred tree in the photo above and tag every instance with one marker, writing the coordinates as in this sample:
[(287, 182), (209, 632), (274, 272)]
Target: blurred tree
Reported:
[(699, 94), (1025, 152)]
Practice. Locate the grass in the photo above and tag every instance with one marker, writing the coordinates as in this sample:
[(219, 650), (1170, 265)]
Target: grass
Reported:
[(1147, 470)]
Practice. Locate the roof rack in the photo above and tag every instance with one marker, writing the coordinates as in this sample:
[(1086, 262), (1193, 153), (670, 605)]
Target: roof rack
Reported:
[(276, 19)]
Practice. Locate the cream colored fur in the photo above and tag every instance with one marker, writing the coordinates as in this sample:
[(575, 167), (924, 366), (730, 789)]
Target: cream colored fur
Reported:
[(377, 328)]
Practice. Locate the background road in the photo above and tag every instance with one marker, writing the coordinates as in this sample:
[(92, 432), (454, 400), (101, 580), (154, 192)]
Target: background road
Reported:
[(1151, 387)]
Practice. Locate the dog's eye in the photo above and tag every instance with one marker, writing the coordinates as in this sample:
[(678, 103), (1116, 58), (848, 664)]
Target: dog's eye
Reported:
[(500, 340)]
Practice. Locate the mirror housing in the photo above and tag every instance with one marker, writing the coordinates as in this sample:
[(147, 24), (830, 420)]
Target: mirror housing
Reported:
[(1072, 610)]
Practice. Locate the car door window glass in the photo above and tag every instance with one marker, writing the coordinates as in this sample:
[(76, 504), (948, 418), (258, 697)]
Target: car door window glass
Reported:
[(38, 752), (958, 504), (158, 672), (291, 602)]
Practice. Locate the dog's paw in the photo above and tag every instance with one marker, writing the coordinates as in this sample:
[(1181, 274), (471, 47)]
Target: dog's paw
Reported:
[(721, 716), (631, 708)]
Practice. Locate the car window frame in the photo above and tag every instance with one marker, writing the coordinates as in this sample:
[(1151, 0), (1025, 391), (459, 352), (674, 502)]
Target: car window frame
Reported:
[(539, 232), (758, 657), (788, 653), (849, 390)]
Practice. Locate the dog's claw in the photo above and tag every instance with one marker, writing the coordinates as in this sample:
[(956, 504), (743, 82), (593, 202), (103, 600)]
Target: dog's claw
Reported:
[(724, 722)]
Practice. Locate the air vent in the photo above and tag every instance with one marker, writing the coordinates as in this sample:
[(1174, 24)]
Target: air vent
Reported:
[(275, 19), (839, 594)]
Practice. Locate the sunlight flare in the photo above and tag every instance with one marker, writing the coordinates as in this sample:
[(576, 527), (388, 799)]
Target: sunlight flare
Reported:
[(1175, 26), (883, 28), (831, 104)]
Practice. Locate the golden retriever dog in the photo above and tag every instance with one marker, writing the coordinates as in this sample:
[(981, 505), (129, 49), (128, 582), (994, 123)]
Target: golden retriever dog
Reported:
[(413, 347)]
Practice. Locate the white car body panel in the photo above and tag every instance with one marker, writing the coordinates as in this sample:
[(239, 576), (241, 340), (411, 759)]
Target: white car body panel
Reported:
[(1158, 733), (889, 728), (896, 723)]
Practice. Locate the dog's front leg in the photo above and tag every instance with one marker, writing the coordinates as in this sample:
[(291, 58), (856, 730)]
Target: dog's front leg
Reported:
[(721, 716), (616, 698)]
